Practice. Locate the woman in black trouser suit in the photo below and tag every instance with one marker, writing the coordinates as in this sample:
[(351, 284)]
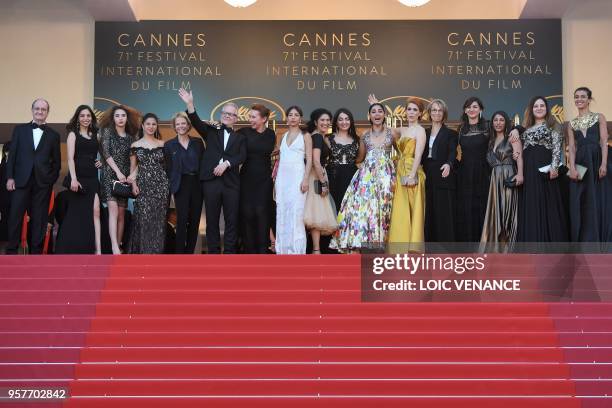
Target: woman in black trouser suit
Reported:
[(256, 182), (183, 155)]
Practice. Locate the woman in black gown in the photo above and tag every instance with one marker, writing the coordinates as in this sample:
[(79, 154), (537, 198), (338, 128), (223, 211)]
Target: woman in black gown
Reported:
[(151, 187), (346, 152), (440, 166), (472, 173), (256, 182), (79, 232), (500, 225), (541, 215), (590, 197)]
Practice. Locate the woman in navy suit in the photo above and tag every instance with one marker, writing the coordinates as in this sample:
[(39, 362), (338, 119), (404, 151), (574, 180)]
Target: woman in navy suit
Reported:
[(183, 155)]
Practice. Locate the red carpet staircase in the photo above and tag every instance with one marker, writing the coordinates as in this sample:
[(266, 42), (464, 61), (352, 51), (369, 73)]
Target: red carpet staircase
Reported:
[(271, 331)]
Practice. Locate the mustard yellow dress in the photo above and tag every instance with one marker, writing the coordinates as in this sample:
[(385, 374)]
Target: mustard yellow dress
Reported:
[(408, 211)]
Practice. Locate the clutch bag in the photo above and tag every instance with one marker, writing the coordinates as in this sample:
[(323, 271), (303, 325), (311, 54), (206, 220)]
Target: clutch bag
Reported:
[(318, 187), (510, 182), (68, 180), (581, 171), (123, 190), (404, 180)]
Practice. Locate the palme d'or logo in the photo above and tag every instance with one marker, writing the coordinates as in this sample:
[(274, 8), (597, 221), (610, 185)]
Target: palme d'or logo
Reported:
[(277, 112), (556, 107), (396, 107)]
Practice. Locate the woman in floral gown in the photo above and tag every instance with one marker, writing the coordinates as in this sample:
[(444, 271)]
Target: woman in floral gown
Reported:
[(365, 213)]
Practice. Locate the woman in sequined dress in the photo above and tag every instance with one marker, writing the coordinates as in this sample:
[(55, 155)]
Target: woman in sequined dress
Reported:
[(151, 187), (119, 127)]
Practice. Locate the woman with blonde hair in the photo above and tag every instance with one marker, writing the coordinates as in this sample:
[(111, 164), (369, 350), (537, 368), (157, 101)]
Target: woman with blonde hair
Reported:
[(183, 154)]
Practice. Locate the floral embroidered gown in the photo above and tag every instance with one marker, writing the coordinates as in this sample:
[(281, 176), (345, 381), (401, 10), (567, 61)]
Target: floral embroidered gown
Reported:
[(365, 213)]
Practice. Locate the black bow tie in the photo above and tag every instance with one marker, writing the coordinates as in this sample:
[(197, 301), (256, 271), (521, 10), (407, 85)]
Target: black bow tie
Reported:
[(37, 126)]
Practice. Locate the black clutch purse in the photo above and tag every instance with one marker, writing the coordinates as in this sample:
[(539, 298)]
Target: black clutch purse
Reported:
[(122, 190), (68, 180), (318, 187), (510, 182)]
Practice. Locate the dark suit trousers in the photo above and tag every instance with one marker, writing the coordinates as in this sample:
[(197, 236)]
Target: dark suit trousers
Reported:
[(188, 201), (218, 196), (34, 199)]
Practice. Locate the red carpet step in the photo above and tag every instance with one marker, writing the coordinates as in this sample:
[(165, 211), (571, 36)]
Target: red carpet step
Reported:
[(279, 331)]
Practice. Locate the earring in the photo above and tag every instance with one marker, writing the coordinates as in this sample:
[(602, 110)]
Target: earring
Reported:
[(480, 115)]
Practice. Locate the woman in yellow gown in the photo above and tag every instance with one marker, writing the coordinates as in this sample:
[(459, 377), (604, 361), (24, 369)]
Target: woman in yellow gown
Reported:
[(408, 212)]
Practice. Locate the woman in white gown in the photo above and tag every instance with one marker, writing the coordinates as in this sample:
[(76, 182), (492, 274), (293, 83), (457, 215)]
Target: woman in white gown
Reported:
[(291, 186)]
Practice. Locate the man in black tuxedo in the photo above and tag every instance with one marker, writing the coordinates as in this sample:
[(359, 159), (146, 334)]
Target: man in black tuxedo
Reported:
[(220, 173), (32, 168)]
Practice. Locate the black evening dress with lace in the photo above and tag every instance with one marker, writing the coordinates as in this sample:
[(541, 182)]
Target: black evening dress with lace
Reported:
[(542, 216), (148, 232), (472, 183), (76, 232), (341, 167)]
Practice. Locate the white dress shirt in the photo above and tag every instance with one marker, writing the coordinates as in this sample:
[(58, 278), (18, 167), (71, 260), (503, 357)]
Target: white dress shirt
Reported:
[(226, 136), (37, 135)]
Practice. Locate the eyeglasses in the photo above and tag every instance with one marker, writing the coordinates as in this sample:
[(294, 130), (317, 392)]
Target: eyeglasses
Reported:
[(233, 115)]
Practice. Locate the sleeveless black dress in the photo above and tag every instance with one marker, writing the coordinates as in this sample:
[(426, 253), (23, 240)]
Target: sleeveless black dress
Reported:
[(76, 232), (590, 202)]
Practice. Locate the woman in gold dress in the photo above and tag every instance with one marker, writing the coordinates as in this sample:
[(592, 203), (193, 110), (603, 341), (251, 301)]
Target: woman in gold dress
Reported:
[(408, 212)]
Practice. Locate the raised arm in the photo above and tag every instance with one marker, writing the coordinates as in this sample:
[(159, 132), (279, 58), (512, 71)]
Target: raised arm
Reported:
[(198, 124)]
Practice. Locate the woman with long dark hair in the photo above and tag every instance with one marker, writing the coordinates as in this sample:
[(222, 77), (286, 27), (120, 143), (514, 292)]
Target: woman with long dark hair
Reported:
[(119, 127), (291, 185), (347, 150), (590, 196), (365, 213), (151, 188), (541, 215), (472, 172), (79, 232), (500, 224), (319, 208)]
